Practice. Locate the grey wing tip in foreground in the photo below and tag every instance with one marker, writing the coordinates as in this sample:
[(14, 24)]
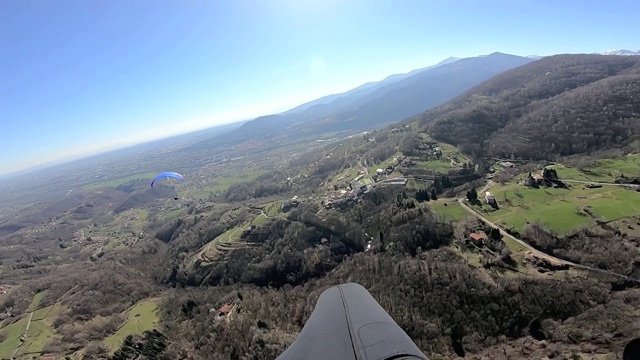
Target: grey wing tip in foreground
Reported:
[(348, 324)]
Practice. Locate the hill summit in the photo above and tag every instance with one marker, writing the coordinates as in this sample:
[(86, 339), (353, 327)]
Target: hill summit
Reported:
[(560, 105)]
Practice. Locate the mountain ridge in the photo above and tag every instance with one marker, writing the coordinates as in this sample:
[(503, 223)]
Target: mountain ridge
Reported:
[(531, 112), (379, 104), (365, 88)]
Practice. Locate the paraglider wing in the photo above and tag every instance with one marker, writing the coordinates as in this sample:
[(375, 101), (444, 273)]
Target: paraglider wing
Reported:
[(348, 324), (167, 174)]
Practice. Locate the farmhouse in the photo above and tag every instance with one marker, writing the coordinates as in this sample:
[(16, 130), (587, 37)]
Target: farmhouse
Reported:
[(225, 310), (328, 204), (489, 198), (286, 206), (477, 239), (534, 180)]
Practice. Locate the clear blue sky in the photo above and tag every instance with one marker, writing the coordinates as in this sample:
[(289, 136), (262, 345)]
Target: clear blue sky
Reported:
[(86, 75)]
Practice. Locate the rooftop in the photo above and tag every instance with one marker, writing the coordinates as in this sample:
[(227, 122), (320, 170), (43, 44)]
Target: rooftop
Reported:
[(225, 309), (477, 237)]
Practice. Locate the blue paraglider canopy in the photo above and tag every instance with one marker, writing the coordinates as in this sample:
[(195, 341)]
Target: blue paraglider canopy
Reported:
[(167, 174)]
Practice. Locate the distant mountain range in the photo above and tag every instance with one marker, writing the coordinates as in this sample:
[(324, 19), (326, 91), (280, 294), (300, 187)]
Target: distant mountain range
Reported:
[(392, 99), (621, 52), (363, 90), (610, 52)]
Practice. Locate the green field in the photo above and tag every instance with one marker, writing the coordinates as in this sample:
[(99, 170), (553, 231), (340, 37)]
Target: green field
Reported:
[(628, 165), (219, 185), (41, 313), (273, 208), (119, 181), (227, 240), (12, 334), (605, 170), (40, 333), (173, 214), (222, 242), (448, 208), (441, 166), (560, 209), (37, 298), (260, 220), (142, 317)]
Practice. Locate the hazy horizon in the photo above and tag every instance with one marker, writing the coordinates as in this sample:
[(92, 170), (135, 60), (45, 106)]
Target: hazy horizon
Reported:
[(82, 78)]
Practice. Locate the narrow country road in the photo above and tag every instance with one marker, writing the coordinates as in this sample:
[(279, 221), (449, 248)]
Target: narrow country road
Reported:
[(596, 183), (26, 330), (533, 250), (364, 168), (265, 215)]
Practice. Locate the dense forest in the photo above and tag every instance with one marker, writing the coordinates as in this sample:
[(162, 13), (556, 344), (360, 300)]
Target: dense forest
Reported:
[(432, 292), (557, 106)]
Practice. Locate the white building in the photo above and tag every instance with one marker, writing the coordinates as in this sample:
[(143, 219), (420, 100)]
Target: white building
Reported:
[(489, 198)]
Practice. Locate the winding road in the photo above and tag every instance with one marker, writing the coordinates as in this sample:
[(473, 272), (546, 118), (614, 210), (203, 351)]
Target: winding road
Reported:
[(534, 251), (362, 165)]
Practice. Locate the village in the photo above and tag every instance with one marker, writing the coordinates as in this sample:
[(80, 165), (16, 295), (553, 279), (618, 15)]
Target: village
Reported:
[(347, 192)]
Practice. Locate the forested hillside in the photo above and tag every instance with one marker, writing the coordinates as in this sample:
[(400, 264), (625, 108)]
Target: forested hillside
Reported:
[(557, 106)]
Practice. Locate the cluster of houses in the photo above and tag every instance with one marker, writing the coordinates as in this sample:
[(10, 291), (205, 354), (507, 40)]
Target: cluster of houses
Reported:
[(381, 173), (344, 198), (349, 194), (396, 130)]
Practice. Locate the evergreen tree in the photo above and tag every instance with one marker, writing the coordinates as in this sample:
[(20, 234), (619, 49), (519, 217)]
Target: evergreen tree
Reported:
[(474, 194), (437, 186)]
